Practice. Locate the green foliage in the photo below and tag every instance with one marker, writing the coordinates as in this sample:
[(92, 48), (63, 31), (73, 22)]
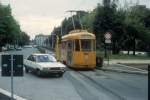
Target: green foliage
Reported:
[(10, 32), (130, 27), (148, 53), (41, 50), (24, 39)]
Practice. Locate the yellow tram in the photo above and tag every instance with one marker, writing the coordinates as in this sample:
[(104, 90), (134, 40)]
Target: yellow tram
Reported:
[(78, 49)]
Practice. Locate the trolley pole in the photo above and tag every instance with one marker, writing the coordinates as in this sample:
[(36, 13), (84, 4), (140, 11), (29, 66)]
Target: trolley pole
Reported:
[(12, 90), (71, 11)]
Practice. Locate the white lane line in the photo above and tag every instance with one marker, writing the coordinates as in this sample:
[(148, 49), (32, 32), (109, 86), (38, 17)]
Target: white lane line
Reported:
[(9, 94), (132, 68)]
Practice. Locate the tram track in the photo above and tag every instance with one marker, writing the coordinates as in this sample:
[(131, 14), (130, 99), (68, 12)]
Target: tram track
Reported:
[(100, 86)]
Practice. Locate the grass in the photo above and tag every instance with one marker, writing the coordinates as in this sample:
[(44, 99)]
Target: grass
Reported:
[(123, 56)]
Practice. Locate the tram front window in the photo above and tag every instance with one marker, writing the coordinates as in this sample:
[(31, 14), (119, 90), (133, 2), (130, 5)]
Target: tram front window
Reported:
[(86, 45)]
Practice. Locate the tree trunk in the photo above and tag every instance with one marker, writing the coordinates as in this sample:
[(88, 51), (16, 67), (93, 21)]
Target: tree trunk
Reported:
[(134, 46), (128, 51), (115, 48)]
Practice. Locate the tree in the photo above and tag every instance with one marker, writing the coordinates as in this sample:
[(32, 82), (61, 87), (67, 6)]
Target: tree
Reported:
[(107, 20), (135, 26), (24, 39), (130, 27), (10, 32)]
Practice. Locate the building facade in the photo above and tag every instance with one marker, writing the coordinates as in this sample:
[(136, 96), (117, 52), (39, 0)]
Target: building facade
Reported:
[(41, 40)]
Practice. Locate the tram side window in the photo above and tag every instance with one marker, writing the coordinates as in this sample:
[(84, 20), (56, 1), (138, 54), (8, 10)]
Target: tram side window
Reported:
[(77, 46), (70, 45)]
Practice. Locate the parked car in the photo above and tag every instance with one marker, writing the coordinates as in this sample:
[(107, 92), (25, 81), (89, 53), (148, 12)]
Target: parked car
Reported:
[(19, 48), (34, 46), (44, 64), (28, 46), (4, 48), (11, 48)]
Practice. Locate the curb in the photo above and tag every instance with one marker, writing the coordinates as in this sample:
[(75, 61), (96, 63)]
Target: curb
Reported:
[(132, 68), (9, 95), (125, 71), (142, 72)]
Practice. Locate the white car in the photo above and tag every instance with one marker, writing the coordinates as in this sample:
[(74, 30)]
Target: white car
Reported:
[(44, 64), (19, 48), (28, 46)]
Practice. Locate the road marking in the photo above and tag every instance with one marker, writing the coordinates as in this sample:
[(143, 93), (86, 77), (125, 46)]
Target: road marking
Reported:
[(9, 94)]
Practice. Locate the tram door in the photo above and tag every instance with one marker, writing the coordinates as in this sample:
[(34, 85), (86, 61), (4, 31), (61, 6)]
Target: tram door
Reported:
[(69, 52)]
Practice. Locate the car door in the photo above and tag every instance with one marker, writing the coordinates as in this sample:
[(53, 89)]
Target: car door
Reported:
[(28, 61), (33, 62)]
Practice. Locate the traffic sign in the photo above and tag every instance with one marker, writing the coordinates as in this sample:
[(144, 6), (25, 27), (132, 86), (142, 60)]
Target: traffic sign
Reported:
[(12, 65), (6, 65), (107, 41), (107, 35), (17, 62)]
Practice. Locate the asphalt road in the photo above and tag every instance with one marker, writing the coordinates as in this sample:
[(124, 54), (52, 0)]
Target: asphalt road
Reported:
[(78, 85)]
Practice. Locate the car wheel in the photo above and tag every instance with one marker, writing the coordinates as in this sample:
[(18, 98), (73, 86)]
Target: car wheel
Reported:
[(26, 69), (60, 74), (38, 72)]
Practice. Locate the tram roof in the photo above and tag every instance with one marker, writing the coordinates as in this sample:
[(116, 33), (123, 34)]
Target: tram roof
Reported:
[(77, 34)]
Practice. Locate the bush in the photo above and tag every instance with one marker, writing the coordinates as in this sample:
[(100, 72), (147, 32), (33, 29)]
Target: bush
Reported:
[(42, 50), (148, 53)]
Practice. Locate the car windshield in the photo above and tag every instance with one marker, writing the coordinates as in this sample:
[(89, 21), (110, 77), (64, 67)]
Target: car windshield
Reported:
[(45, 58)]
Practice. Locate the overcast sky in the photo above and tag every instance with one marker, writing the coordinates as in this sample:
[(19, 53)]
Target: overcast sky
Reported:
[(41, 16)]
